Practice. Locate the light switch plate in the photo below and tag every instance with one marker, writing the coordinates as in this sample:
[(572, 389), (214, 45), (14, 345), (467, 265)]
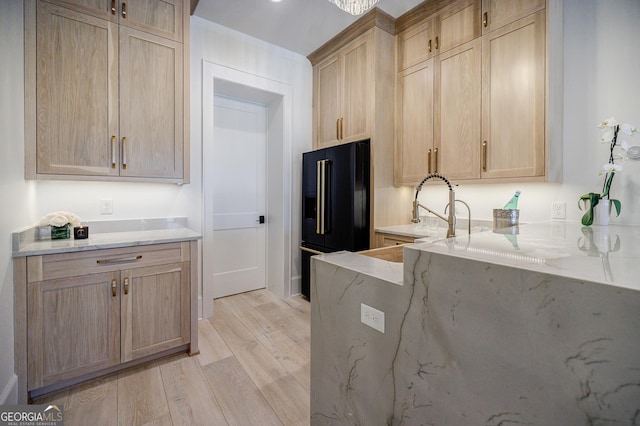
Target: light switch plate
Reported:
[(372, 317)]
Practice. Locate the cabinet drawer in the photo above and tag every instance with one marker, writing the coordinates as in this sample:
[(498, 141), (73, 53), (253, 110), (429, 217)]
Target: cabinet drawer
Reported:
[(54, 266), (387, 240)]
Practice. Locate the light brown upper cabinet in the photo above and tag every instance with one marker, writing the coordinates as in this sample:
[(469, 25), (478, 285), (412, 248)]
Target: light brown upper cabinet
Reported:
[(513, 99), (457, 118), (452, 26), (498, 13), (105, 90), (341, 94), (415, 154)]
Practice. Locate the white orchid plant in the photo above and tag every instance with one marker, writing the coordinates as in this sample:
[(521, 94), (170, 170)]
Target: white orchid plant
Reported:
[(610, 129), (60, 218)]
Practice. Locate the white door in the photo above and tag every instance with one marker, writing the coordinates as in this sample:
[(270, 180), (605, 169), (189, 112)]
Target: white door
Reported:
[(238, 199)]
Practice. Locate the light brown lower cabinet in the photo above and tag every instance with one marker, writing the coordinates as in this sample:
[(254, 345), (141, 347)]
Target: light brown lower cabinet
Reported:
[(93, 311), (389, 240)]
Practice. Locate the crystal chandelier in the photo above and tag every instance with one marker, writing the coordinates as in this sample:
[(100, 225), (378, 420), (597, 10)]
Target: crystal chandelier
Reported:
[(354, 7)]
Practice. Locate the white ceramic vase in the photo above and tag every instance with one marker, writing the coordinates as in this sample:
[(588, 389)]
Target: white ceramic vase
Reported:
[(602, 213)]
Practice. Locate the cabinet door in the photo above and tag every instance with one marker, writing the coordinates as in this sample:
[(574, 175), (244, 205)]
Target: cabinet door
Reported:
[(326, 99), (513, 84), (498, 13), (155, 309), (458, 104), (160, 17), (76, 93), (414, 125), (459, 23), (151, 115), (73, 327), (355, 91), (416, 44)]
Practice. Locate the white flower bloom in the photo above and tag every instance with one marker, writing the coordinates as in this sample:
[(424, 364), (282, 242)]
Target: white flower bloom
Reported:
[(60, 218), (609, 122), (629, 129), (611, 168), (607, 136)]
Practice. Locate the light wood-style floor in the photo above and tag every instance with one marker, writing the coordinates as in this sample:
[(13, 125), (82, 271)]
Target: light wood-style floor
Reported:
[(253, 369)]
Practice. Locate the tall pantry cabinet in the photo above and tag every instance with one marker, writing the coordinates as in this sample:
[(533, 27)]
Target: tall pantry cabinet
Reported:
[(353, 99), (105, 90)]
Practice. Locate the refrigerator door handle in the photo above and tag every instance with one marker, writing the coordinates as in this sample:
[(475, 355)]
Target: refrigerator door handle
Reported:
[(312, 251), (323, 177), (318, 192)]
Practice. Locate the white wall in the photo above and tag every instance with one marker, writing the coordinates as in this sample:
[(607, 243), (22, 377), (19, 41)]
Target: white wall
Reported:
[(601, 68)]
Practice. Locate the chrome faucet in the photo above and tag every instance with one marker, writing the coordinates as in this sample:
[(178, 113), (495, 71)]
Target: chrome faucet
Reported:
[(451, 218)]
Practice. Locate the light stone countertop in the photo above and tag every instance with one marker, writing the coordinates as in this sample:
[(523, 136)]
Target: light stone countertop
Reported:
[(104, 235), (602, 254)]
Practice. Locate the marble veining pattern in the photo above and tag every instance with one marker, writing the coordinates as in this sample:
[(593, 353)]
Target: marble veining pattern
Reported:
[(475, 342)]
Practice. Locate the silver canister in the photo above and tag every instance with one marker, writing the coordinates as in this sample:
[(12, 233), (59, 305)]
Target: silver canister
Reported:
[(505, 219)]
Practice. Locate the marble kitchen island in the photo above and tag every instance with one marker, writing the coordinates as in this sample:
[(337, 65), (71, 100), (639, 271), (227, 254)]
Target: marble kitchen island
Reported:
[(541, 327)]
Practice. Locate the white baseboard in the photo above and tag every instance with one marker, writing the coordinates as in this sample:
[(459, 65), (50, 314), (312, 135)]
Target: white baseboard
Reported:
[(9, 395), (296, 285)]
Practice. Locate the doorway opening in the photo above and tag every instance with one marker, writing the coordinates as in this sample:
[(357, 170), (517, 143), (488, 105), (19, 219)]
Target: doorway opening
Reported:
[(233, 101)]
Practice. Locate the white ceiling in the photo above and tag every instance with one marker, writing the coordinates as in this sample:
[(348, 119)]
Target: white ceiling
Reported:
[(298, 25)]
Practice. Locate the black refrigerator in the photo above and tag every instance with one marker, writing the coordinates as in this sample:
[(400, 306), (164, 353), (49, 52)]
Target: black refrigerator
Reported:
[(335, 202)]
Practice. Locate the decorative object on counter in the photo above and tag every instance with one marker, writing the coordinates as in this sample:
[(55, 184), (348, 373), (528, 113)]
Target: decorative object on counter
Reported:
[(60, 223), (354, 7), (508, 217), (512, 204), (80, 232), (598, 206)]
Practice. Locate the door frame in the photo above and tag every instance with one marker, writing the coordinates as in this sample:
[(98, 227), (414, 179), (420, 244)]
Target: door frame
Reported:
[(277, 98)]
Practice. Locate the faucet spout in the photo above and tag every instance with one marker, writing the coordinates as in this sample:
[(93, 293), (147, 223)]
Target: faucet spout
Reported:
[(451, 218)]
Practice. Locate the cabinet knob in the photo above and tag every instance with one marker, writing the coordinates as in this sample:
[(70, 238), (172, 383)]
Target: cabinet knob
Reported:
[(429, 46), (114, 288), (485, 19), (437, 42), (113, 7), (126, 286), (124, 10)]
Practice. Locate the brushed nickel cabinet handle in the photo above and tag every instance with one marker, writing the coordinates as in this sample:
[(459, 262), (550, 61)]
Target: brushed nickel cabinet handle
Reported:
[(484, 156), (124, 153), (124, 10), (435, 163), (437, 42), (114, 288), (485, 19), (126, 286), (338, 128), (113, 7), (113, 152), (341, 128), (429, 46), (119, 260), (429, 161)]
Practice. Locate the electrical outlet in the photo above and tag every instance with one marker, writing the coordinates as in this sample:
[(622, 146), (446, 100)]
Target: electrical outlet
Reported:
[(372, 317), (106, 206), (558, 210)]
